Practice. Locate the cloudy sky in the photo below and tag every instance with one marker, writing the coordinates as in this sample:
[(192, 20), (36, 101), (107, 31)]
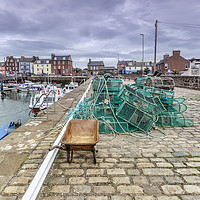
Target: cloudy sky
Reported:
[(99, 29)]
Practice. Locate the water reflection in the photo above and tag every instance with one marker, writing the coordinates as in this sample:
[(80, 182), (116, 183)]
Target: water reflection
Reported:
[(14, 107)]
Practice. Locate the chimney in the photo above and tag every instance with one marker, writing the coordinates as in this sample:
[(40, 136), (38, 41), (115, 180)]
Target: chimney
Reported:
[(176, 53), (52, 55), (89, 60), (166, 56)]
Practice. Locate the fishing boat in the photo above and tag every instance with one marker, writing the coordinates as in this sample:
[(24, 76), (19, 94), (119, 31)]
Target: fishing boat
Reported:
[(48, 96), (71, 86), (6, 129)]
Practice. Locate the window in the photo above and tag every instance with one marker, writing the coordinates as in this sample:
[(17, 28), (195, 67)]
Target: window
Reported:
[(63, 62), (38, 69), (63, 67), (47, 69), (63, 71), (67, 70), (166, 66), (63, 58), (59, 67), (54, 67), (58, 62), (55, 58), (186, 66), (47, 61), (54, 62)]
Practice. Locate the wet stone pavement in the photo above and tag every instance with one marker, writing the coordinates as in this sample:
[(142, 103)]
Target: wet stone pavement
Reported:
[(126, 168)]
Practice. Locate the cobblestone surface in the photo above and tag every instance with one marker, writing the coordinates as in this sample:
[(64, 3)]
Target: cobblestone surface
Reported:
[(126, 168)]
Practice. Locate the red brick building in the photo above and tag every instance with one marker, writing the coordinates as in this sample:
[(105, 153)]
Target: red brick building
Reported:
[(61, 65), (11, 65), (169, 63)]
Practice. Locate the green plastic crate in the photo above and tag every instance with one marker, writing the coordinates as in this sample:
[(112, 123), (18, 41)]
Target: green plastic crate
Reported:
[(100, 97), (175, 107), (136, 117), (165, 96), (140, 81), (173, 119), (109, 125), (103, 85), (139, 98)]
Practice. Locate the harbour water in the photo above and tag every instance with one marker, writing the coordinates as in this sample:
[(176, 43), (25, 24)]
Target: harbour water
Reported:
[(14, 107)]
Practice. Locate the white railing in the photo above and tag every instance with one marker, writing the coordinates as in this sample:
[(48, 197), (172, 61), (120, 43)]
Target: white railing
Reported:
[(41, 174)]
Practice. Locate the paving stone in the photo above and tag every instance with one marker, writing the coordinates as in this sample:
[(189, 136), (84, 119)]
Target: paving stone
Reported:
[(60, 189), (195, 154), (15, 190), (73, 198), (8, 198), (80, 189), (164, 165), (34, 156), (133, 172), (127, 159), (144, 160), (192, 179), (121, 197), (181, 154), (187, 171), (97, 198), (57, 180), (140, 180), (195, 159), (110, 160), (157, 172), (164, 155), (95, 172), (145, 165), (106, 165), (172, 189), (133, 189), (76, 180), (30, 166), (69, 165), (74, 172), (145, 198), (192, 189), (104, 189), (151, 190), (190, 197), (176, 165), (156, 180), (125, 165), (121, 180), (157, 160), (176, 159), (97, 180), (193, 164), (174, 179), (116, 172), (168, 198), (21, 180)]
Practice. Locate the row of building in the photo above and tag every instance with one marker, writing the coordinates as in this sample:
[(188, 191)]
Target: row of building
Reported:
[(165, 66), (60, 65)]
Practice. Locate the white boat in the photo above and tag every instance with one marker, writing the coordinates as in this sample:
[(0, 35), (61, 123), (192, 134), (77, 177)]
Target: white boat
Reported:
[(71, 87), (48, 96)]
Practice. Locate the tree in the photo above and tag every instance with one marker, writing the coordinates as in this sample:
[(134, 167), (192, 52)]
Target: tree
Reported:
[(77, 69), (146, 70), (175, 71)]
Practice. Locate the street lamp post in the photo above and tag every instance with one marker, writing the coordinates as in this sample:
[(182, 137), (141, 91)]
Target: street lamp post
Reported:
[(142, 51)]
